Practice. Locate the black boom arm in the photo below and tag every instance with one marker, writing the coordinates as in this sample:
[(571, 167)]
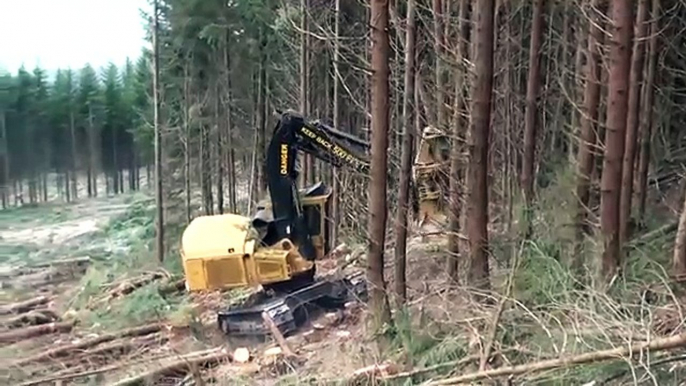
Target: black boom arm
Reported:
[(293, 134)]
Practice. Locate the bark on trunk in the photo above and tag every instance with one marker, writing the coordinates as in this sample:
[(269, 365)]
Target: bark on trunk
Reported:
[(588, 131), (647, 125), (530, 117), (159, 223), (618, 81), (456, 160), (406, 159), (477, 208), (635, 84), (377, 186)]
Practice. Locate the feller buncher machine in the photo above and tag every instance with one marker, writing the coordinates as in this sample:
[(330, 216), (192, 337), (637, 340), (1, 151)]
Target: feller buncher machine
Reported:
[(278, 246)]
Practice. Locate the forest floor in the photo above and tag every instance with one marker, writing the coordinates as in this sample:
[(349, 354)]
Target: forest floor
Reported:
[(82, 301)]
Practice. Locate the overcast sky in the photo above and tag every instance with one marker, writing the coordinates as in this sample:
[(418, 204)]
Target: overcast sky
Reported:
[(69, 33)]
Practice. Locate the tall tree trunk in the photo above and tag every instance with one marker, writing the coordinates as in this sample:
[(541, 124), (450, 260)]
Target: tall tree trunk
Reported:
[(456, 161), (440, 73), (585, 158), (618, 81), (304, 85), (635, 83), (406, 159), (74, 157), (230, 162), (335, 205), (477, 207), (261, 119), (5, 160), (159, 223), (381, 313), (187, 144), (219, 161), (647, 124), (93, 152), (533, 87)]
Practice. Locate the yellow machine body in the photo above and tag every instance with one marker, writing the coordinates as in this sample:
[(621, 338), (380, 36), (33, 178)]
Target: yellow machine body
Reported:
[(223, 251)]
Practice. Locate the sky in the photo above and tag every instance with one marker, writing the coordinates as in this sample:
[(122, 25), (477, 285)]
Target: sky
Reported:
[(69, 33)]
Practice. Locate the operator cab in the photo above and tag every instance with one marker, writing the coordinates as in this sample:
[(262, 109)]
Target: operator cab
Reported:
[(316, 209)]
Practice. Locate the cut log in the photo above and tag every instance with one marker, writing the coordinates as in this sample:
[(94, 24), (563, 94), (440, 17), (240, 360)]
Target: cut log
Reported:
[(88, 343), (34, 331), (23, 306), (661, 344), (32, 318), (82, 260), (184, 363)]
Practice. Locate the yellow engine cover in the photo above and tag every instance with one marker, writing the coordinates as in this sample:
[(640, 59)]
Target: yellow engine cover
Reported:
[(219, 252)]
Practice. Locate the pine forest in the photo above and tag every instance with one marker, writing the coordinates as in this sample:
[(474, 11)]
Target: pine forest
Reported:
[(503, 202)]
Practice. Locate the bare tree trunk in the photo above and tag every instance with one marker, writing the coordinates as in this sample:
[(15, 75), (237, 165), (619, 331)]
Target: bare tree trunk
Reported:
[(477, 207), (159, 223), (635, 83), (406, 159), (381, 313), (647, 124), (456, 167), (533, 87), (618, 81), (588, 131)]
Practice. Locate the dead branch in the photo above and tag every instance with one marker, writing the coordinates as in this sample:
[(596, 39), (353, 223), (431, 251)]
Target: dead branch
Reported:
[(660, 344), (24, 306), (65, 349), (183, 363), (34, 331)]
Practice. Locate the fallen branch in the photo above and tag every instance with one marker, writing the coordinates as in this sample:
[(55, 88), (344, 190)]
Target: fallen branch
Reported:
[(493, 328), (34, 331), (660, 344), (24, 306), (125, 346), (84, 344), (184, 362), (105, 369), (126, 287)]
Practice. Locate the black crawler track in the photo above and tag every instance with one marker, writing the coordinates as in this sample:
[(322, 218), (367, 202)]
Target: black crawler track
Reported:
[(290, 310)]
